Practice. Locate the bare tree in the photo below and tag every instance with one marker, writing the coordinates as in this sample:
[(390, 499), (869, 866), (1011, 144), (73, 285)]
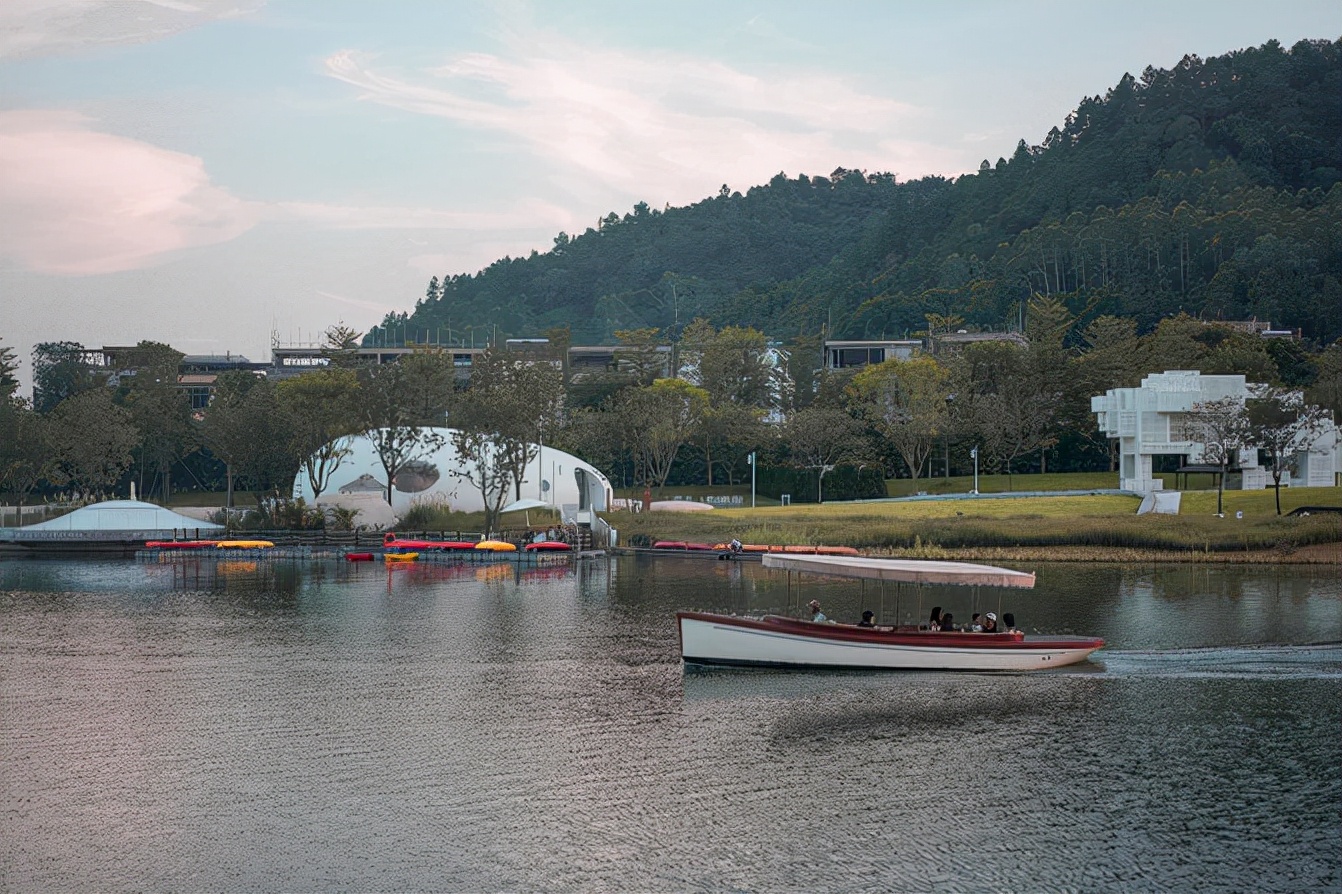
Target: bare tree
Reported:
[(1281, 424), (397, 434), (499, 422), (822, 437), (1222, 427)]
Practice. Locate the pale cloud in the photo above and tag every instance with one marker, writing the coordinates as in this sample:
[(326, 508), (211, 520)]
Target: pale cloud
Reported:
[(659, 125), (43, 27), (361, 304), (528, 213), (77, 201)]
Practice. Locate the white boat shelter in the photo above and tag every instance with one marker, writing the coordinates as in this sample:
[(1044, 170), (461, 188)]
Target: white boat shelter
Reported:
[(114, 520)]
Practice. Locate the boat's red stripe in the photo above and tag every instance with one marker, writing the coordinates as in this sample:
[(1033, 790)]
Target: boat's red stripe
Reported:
[(852, 634)]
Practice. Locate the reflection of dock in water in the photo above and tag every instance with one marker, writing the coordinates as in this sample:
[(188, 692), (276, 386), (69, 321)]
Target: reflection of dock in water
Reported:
[(525, 559)]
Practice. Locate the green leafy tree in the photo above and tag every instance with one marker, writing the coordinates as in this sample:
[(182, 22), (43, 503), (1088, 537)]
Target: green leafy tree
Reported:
[(1327, 388), (91, 439), (9, 368), (60, 370), (161, 411), (323, 412), (428, 382), (340, 344), (657, 421), (248, 428), (24, 450), (733, 365), (906, 402), (640, 356)]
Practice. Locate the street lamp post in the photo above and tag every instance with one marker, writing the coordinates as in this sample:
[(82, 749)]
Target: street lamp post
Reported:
[(975, 454), (751, 460)]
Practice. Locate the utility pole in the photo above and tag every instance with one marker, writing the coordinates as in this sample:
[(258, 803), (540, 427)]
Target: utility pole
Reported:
[(751, 460), (975, 454)]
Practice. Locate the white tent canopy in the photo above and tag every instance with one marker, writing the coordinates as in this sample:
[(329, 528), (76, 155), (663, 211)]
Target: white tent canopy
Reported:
[(123, 515)]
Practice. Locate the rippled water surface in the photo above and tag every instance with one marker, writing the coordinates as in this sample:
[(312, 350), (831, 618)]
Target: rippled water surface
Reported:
[(230, 726)]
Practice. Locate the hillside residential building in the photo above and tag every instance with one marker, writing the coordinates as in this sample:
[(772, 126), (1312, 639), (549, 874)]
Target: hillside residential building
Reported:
[(848, 354)]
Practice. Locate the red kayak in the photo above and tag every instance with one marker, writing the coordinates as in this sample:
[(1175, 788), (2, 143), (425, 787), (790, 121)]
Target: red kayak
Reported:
[(358, 557), (549, 545), (180, 544)]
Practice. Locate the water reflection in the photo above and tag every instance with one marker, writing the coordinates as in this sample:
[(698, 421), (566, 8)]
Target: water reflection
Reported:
[(340, 726)]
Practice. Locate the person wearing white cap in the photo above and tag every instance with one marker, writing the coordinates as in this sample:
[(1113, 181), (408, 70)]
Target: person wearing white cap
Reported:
[(990, 623)]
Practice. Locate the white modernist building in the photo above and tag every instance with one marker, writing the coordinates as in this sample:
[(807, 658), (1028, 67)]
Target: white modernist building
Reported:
[(1152, 420), (575, 488)]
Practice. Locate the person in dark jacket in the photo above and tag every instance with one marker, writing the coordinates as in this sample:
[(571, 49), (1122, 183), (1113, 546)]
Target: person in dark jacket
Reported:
[(868, 619)]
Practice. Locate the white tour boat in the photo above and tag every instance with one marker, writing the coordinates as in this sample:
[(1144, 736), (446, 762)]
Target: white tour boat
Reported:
[(776, 641)]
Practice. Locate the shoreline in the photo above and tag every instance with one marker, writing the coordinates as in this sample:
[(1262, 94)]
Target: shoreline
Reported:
[(1313, 554)]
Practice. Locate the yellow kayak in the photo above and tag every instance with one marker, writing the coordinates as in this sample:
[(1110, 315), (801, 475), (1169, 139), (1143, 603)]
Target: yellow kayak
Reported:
[(400, 557), (244, 544), (497, 546)]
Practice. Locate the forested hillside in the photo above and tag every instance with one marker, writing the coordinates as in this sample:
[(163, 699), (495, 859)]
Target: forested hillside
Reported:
[(1210, 188)]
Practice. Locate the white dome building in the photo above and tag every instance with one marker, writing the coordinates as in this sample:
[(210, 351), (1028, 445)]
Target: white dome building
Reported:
[(556, 478)]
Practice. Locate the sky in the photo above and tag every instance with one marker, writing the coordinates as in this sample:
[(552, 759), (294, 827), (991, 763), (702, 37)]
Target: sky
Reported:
[(223, 174)]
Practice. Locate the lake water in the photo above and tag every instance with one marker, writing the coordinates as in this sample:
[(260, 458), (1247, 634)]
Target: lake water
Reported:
[(210, 725)]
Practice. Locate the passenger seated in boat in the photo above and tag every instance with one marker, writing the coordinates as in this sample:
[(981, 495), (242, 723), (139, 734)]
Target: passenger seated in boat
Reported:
[(975, 624), (934, 622), (1009, 622), (868, 619), (990, 623), (947, 623), (816, 613)]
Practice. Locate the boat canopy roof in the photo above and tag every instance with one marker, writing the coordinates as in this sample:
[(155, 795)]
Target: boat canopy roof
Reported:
[(915, 571)]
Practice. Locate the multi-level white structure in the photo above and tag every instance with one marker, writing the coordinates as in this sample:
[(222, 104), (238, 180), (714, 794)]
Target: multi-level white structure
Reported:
[(1153, 420)]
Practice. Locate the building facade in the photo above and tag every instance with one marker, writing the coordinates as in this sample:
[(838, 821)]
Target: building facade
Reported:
[(1153, 420)]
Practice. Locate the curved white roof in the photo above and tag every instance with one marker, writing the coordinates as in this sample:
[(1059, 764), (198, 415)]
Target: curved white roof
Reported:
[(122, 515), (436, 476)]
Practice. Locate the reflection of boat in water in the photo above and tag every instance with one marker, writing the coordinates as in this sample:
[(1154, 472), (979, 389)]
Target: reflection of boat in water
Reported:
[(775, 641)]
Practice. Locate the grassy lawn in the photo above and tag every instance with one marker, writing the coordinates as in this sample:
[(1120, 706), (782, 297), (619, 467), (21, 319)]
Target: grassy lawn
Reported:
[(998, 484), (1090, 521), (957, 484)]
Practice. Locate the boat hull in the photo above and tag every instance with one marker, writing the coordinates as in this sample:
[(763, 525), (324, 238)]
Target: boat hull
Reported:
[(785, 642)]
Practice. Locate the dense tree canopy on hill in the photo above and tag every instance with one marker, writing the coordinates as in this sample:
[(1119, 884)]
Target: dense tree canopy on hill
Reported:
[(1210, 188)]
